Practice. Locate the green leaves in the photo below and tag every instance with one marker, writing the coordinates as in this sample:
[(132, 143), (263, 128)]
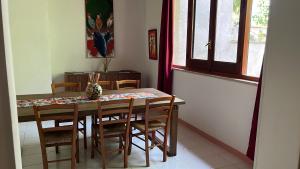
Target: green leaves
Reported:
[(261, 18)]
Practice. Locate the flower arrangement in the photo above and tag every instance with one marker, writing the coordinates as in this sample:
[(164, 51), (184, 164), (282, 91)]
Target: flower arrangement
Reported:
[(93, 90)]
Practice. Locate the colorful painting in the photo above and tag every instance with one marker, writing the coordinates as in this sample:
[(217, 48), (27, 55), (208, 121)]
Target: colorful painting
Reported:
[(152, 41), (99, 28)]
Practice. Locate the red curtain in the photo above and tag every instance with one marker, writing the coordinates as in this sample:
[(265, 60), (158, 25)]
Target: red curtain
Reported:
[(165, 73), (252, 139)]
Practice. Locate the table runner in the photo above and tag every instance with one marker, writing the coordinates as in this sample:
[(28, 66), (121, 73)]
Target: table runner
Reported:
[(82, 99)]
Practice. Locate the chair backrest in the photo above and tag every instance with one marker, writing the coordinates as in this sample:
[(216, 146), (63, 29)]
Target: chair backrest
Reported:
[(106, 85), (72, 117), (159, 109), (127, 84), (74, 86), (120, 108)]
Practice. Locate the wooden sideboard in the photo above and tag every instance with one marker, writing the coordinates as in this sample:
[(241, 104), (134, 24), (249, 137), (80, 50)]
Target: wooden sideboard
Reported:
[(83, 77)]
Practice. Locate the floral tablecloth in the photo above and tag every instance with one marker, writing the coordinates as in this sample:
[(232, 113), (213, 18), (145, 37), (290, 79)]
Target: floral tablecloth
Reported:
[(82, 99)]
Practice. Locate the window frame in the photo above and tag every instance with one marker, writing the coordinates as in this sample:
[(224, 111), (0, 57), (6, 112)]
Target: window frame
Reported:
[(210, 66)]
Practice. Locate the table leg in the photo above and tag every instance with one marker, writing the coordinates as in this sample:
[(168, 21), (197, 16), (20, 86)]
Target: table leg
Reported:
[(173, 132)]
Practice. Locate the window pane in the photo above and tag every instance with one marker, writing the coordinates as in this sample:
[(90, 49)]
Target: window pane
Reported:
[(228, 17), (201, 36), (257, 38), (180, 29)]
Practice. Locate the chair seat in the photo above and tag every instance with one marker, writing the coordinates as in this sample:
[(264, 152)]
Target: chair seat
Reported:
[(60, 138), (153, 125), (113, 129)]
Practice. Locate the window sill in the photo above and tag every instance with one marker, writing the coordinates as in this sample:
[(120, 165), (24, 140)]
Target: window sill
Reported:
[(236, 78)]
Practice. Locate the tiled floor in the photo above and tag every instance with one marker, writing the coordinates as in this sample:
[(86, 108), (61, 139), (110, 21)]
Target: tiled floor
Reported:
[(194, 152)]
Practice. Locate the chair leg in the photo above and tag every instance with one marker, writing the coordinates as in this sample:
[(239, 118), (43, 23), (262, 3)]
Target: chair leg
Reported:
[(120, 144), (102, 152), (135, 117), (130, 141), (165, 145), (147, 149), (95, 132), (126, 151), (74, 154), (153, 139), (96, 139), (56, 124), (77, 150), (84, 133), (44, 156)]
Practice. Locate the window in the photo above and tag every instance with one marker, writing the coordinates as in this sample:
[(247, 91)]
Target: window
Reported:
[(180, 29), (221, 36)]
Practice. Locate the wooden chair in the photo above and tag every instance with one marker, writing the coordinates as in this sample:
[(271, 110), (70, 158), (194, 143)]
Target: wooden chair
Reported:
[(57, 136), (82, 119), (156, 118), (106, 85), (127, 84), (74, 86), (118, 127)]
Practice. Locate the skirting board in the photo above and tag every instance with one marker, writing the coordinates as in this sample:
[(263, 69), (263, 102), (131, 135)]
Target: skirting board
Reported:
[(217, 142)]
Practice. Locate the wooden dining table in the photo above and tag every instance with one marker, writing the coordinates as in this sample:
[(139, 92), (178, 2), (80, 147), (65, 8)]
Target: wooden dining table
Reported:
[(26, 114)]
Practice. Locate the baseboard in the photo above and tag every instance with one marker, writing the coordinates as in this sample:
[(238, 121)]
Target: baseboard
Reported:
[(217, 142)]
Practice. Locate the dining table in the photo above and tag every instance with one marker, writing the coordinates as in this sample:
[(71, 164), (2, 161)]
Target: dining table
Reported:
[(89, 108)]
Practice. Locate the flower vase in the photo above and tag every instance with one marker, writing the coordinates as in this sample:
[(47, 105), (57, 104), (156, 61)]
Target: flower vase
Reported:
[(93, 91)]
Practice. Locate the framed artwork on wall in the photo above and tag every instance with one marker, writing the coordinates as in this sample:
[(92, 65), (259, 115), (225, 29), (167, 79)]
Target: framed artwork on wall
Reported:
[(152, 44), (99, 28)]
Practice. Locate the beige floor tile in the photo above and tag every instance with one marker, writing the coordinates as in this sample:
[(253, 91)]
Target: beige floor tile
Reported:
[(196, 153)]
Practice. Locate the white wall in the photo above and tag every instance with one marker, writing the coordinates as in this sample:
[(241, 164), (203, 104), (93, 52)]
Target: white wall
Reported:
[(129, 29), (152, 19), (278, 142), (68, 41), (222, 108), (67, 38), (10, 151), (49, 39), (29, 25)]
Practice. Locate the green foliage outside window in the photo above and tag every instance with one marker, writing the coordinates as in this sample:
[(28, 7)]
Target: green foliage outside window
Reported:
[(236, 11), (261, 18)]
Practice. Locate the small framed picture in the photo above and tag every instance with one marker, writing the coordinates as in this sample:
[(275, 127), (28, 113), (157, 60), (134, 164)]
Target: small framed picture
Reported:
[(152, 41)]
